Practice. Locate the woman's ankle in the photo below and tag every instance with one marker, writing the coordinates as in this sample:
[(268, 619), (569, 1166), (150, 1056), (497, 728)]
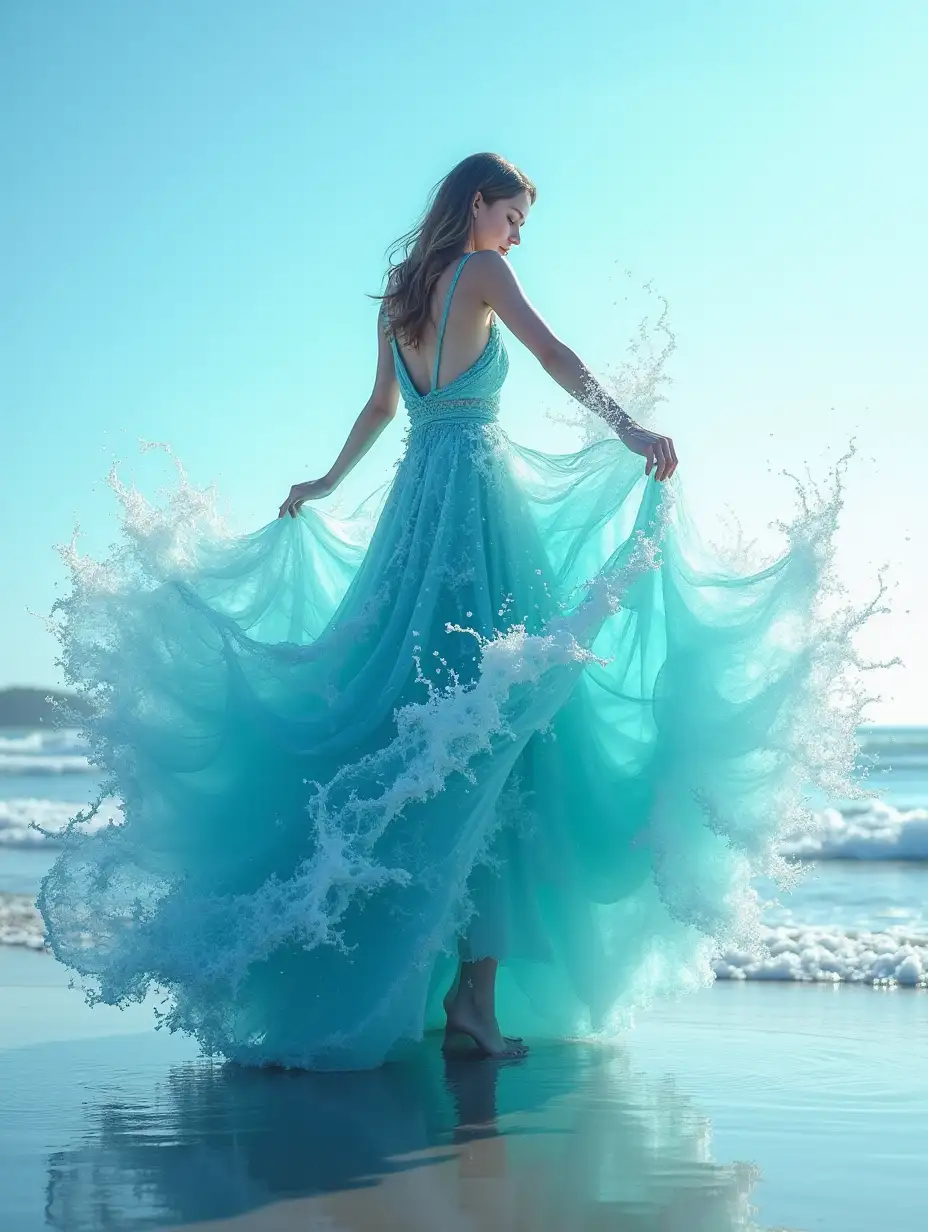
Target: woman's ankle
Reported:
[(471, 1000)]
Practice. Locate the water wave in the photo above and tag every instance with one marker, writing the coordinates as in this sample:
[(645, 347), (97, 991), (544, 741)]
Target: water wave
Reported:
[(901, 750), (20, 922), (877, 832), (55, 751), (889, 958), (19, 818)]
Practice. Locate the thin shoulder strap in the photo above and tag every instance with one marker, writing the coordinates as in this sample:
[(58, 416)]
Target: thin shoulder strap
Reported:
[(444, 318)]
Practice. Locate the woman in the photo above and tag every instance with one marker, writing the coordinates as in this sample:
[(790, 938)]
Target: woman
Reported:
[(509, 719)]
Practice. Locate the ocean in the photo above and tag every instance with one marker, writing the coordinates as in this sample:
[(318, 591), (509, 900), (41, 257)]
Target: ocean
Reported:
[(860, 914)]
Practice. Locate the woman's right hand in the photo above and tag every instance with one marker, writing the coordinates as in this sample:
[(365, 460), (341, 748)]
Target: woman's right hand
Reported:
[(657, 450), (313, 489)]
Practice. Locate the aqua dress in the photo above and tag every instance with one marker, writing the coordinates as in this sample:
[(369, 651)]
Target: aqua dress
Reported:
[(510, 708)]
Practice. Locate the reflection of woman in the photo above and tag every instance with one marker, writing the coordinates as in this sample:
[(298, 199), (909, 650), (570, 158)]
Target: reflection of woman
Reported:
[(523, 724), (554, 1144)]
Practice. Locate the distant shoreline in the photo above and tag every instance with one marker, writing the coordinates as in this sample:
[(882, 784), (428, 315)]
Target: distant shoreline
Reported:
[(25, 706)]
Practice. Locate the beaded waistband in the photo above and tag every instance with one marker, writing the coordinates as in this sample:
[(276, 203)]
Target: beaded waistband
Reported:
[(455, 410)]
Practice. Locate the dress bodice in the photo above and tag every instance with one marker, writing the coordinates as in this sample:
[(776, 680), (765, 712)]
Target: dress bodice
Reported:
[(473, 396)]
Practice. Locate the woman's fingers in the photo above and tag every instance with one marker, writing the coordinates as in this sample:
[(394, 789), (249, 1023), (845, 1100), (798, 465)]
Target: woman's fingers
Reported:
[(292, 503), (300, 493), (662, 457)]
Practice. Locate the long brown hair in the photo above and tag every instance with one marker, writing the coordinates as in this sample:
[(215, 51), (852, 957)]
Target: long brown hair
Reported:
[(440, 235)]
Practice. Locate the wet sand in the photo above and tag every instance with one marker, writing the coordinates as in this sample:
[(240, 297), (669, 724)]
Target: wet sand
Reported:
[(746, 1106)]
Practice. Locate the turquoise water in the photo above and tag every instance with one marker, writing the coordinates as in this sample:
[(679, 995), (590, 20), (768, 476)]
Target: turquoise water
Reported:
[(739, 1109)]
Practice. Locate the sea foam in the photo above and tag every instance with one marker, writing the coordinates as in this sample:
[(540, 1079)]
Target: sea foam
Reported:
[(890, 958), (877, 832)]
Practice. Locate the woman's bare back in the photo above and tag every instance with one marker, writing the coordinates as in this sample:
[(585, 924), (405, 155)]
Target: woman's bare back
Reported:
[(467, 332)]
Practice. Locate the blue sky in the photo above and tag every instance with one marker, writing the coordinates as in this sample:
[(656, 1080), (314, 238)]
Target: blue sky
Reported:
[(198, 196)]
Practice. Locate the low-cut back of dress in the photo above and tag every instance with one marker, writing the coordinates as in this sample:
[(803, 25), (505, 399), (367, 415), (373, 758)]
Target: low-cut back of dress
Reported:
[(473, 394), (509, 708)]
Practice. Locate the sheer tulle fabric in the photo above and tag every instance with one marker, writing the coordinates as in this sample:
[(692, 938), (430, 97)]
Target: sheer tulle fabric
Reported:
[(510, 707)]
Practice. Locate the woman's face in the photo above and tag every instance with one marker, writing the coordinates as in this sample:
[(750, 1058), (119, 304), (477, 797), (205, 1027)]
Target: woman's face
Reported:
[(497, 226)]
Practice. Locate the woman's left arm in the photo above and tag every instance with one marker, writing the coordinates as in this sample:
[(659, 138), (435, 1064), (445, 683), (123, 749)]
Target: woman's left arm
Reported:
[(379, 409)]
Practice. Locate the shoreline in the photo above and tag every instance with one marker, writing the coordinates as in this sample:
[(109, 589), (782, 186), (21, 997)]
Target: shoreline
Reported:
[(734, 1099)]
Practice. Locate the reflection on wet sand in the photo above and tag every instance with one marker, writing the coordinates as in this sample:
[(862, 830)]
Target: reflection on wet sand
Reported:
[(569, 1139)]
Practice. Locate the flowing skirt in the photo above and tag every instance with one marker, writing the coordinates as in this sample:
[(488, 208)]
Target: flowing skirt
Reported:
[(510, 707)]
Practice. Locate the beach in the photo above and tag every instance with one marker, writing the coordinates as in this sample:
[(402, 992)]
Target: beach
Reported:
[(746, 1106), (469, 578), (791, 1094)]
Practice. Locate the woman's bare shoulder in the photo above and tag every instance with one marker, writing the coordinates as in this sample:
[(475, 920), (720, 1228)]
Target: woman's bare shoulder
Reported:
[(486, 273)]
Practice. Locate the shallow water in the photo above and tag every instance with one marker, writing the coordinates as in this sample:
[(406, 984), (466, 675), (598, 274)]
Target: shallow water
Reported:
[(742, 1107), (852, 894), (752, 1105)]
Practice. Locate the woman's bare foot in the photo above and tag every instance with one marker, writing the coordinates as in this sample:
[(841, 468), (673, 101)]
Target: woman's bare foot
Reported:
[(465, 1017), (449, 1002)]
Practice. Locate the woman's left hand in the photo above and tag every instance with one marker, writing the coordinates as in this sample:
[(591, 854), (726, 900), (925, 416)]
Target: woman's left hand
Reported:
[(313, 489)]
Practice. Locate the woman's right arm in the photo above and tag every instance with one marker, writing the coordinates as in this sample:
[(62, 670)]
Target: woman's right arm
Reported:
[(496, 282), (379, 409)]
